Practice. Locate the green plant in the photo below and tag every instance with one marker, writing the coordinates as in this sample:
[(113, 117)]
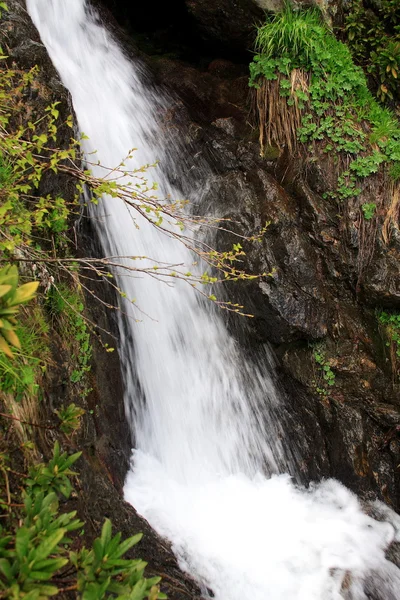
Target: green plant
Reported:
[(20, 375), (368, 209), (3, 6), (374, 39), (310, 91), (11, 298), (37, 555), (65, 304), (391, 321), (33, 224), (326, 372), (70, 418)]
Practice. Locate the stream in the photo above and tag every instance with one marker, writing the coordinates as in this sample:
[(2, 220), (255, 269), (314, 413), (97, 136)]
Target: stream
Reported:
[(211, 462)]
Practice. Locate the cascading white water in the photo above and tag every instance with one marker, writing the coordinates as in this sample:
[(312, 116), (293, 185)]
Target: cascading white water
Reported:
[(201, 434)]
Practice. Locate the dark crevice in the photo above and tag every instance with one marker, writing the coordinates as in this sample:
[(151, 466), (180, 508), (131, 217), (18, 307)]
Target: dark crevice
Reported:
[(168, 29)]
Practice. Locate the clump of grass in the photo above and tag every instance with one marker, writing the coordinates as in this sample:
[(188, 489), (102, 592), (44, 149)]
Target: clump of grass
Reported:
[(291, 33)]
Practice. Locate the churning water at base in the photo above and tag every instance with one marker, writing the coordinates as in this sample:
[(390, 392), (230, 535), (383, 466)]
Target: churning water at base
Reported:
[(206, 424)]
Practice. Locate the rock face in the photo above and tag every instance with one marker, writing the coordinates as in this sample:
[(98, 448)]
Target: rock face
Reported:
[(233, 21), (228, 26), (327, 273)]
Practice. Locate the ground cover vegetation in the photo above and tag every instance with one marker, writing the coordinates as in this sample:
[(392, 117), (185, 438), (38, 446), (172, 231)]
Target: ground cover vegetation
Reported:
[(373, 36), (310, 93)]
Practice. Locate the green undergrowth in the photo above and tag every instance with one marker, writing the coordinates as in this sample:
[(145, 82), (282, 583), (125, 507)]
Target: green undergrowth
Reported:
[(65, 307), (20, 376), (373, 37), (41, 552), (324, 100), (391, 323), (326, 377)]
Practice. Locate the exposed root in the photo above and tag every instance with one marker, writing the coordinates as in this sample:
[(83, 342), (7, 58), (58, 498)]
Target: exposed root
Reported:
[(278, 119), (392, 214)]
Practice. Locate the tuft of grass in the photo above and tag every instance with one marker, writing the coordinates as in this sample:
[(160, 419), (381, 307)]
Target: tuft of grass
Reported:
[(290, 32)]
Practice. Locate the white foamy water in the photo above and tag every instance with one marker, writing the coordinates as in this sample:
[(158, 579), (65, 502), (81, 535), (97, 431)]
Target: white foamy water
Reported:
[(205, 419)]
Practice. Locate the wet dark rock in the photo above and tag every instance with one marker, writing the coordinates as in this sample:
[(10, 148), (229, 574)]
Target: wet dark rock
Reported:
[(381, 283), (325, 274), (230, 21)]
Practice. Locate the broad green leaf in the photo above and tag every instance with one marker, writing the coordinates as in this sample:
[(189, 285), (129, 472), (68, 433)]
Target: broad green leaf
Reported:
[(24, 293), (5, 568), (4, 347), (4, 289), (72, 459), (41, 575), (6, 325), (49, 544), (113, 544), (53, 563), (22, 540), (11, 337), (139, 590), (92, 592), (8, 311), (127, 544), (98, 549), (106, 532), (32, 595), (43, 590)]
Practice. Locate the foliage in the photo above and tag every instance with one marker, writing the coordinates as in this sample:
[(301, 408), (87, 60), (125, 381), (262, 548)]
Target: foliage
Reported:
[(40, 558), (391, 321), (327, 375), (11, 297), (325, 95), (70, 418), (374, 40), (3, 6), (368, 209), (32, 225), (20, 375), (65, 304), (24, 160)]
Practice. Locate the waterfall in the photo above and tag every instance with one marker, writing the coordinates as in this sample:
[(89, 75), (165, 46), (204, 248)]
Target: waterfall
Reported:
[(205, 471)]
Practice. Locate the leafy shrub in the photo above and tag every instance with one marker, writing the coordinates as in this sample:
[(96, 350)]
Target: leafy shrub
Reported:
[(326, 374), (37, 555), (374, 39), (20, 375), (70, 418), (391, 321)]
